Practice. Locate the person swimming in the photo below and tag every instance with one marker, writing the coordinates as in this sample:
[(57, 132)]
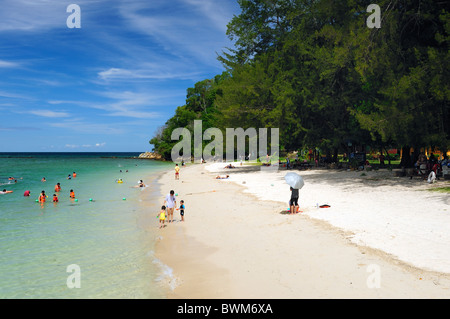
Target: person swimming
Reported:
[(5, 192), (55, 198), (72, 194), (57, 187)]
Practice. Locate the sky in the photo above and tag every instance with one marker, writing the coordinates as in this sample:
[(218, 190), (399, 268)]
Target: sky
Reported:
[(108, 85)]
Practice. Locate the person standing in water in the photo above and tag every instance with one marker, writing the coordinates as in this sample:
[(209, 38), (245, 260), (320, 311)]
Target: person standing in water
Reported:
[(42, 197)]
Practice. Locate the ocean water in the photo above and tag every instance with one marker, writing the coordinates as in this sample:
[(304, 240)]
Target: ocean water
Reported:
[(103, 241)]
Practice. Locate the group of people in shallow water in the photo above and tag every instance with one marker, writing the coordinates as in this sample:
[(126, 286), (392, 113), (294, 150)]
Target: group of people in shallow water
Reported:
[(43, 196)]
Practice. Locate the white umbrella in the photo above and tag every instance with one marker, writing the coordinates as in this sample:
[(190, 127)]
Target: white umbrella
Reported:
[(294, 180)]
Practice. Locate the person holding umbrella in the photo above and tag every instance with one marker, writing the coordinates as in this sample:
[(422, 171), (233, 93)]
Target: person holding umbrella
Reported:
[(295, 182)]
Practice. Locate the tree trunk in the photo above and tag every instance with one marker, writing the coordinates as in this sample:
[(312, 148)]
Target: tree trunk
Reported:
[(406, 157)]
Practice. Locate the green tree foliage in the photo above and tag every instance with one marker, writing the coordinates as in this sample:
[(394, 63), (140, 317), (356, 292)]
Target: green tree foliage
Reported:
[(199, 106), (316, 71), (406, 63)]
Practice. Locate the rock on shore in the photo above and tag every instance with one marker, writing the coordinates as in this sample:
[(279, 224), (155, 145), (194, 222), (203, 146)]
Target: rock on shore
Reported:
[(151, 155)]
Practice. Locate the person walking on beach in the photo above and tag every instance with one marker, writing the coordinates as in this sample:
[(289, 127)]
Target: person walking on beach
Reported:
[(293, 202), (177, 171), (162, 216), (170, 202)]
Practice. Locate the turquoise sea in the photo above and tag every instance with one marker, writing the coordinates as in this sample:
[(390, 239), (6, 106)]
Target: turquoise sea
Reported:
[(108, 233)]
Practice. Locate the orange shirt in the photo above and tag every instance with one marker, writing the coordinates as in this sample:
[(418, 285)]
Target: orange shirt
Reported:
[(72, 195)]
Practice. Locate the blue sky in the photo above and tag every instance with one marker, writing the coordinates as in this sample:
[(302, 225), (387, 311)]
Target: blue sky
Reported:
[(108, 85)]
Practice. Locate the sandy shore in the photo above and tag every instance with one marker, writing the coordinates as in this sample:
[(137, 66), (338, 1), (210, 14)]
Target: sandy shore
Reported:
[(237, 241)]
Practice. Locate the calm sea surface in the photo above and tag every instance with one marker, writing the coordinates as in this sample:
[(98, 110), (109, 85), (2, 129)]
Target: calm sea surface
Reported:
[(96, 240)]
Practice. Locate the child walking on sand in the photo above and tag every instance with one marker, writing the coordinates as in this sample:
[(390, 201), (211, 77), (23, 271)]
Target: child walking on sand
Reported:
[(162, 216)]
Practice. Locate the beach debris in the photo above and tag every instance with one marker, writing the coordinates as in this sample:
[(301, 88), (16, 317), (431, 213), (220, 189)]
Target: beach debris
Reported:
[(294, 180)]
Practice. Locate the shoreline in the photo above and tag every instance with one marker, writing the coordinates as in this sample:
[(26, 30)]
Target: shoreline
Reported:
[(243, 247)]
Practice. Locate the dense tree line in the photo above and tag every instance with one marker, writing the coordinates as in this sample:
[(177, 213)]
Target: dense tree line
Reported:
[(316, 71)]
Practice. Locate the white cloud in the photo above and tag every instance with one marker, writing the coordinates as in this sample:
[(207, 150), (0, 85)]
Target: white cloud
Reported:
[(130, 104), (219, 13), (82, 126), (187, 29), (8, 64), (49, 113), (144, 73)]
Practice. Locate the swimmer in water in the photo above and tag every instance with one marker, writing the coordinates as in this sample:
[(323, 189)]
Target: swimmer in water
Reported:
[(5, 192), (74, 175), (55, 198), (57, 187), (72, 194), (43, 179)]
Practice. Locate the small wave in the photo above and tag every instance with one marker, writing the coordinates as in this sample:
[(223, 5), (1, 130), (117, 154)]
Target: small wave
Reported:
[(7, 183), (166, 276)]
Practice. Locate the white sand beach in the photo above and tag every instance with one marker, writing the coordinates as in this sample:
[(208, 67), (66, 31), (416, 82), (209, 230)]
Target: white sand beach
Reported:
[(381, 237)]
